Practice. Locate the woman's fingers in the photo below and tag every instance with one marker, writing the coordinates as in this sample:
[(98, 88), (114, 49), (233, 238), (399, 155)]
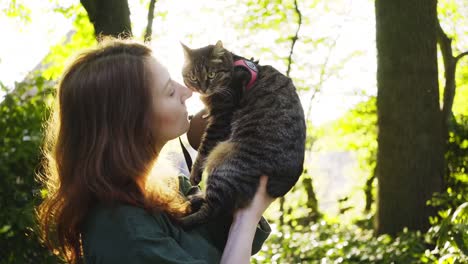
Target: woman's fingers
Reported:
[(263, 183), (262, 199)]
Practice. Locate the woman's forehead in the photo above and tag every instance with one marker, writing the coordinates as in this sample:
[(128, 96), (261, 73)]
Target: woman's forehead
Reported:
[(159, 73), (157, 66)]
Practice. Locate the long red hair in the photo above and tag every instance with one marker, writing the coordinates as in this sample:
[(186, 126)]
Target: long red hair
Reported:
[(100, 142)]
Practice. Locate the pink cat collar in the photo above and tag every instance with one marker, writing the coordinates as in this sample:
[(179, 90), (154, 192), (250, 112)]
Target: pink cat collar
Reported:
[(251, 67)]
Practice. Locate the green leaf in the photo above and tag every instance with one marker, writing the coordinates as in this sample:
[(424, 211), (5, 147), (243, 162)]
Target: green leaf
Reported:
[(461, 240), (5, 229), (462, 212)]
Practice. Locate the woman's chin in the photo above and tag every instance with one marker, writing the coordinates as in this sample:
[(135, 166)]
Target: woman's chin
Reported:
[(187, 126)]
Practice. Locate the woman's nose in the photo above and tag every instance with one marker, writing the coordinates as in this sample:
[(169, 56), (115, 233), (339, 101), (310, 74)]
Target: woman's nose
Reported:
[(186, 93)]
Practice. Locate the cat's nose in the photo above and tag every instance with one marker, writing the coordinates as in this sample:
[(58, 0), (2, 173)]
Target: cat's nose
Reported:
[(203, 87)]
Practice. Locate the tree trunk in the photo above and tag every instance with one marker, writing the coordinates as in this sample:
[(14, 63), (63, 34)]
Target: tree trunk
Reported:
[(149, 26), (109, 17), (410, 156), (368, 191)]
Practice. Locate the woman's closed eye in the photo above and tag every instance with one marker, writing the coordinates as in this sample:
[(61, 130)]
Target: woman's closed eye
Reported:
[(170, 87)]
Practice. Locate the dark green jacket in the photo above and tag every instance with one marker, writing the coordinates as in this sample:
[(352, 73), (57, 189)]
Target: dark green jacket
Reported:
[(128, 234)]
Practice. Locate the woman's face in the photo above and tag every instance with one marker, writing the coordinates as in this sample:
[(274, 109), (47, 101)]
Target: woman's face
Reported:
[(168, 103)]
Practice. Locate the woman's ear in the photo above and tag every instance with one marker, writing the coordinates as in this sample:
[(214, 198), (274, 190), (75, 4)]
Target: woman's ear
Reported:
[(197, 128)]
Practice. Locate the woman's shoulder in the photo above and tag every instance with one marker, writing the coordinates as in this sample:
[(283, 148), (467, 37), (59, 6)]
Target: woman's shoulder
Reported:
[(124, 222), (111, 232)]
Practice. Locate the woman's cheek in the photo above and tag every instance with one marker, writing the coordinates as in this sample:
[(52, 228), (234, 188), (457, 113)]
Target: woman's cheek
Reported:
[(168, 119), (177, 122)]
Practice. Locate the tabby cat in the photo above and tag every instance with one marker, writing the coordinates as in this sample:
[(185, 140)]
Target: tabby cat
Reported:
[(253, 130)]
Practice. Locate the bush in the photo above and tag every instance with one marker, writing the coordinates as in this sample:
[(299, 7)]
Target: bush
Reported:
[(326, 242), (22, 113), (451, 236), (331, 242)]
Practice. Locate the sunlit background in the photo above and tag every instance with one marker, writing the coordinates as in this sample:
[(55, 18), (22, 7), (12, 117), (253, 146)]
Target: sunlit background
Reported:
[(198, 23), (333, 64), (346, 53)]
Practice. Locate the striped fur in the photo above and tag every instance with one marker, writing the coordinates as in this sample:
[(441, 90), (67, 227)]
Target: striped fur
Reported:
[(249, 134)]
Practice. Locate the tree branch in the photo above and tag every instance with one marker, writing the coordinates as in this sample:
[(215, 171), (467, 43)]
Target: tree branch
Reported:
[(149, 26), (323, 77), (281, 209), (295, 37), (450, 67), (445, 44), (461, 55), (312, 202)]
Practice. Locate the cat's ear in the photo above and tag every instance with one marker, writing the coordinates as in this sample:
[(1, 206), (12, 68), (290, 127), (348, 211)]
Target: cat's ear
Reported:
[(187, 51), (218, 50)]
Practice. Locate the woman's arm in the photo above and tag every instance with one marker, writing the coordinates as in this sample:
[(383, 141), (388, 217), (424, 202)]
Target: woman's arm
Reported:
[(239, 244)]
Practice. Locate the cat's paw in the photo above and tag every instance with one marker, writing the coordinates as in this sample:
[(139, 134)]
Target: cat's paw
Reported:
[(196, 175), (196, 202)]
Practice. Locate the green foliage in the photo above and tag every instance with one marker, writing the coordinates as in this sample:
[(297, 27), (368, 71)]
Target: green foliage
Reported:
[(269, 15), (314, 58), (456, 191), (451, 236), (332, 242), (450, 230), (327, 242), (17, 9), (452, 14), (357, 131), (22, 113), (80, 37)]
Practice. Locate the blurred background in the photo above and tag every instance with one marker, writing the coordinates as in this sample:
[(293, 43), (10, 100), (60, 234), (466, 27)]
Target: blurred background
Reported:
[(339, 212)]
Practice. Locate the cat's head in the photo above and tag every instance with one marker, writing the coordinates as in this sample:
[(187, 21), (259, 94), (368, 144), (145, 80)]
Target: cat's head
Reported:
[(208, 68)]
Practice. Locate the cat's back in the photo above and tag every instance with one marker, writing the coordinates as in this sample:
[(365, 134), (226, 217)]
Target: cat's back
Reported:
[(271, 108), (272, 89), (270, 130), (270, 79)]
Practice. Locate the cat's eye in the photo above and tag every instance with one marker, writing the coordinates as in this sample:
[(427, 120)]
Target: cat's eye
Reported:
[(193, 78), (211, 75)]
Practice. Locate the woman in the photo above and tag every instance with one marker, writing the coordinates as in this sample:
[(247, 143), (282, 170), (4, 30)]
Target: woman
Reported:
[(116, 107)]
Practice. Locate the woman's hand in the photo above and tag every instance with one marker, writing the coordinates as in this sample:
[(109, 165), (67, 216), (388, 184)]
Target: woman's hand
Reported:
[(197, 128), (259, 203), (239, 244)]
